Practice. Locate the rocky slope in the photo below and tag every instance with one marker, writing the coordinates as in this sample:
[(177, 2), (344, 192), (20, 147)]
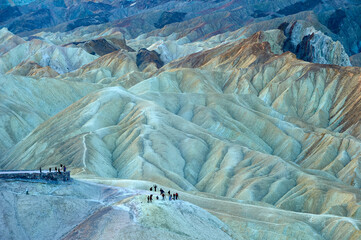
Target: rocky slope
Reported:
[(76, 207), (26, 103), (79, 209)]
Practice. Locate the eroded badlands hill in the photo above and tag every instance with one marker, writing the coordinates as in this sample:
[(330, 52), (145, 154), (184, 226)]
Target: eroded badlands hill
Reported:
[(226, 121)]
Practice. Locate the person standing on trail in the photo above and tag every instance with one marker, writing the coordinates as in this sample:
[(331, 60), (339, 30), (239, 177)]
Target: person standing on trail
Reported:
[(148, 199), (61, 167), (170, 197), (163, 196), (173, 196), (151, 188), (155, 188), (50, 169), (176, 196), (151, 197), (169, 192), (40, 169), (64, 168), (161, 191), (56, 169)]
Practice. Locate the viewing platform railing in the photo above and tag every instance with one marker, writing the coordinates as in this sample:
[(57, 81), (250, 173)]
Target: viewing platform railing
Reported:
[(35, 174)]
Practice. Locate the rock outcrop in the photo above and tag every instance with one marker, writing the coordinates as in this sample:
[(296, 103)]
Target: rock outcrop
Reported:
[(102, 46), (314, 46), (146, 58)]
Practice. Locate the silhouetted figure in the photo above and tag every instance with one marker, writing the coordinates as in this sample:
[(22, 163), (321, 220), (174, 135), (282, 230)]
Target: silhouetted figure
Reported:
[(161, 191), (40, 169), (27, 191), (151, 197), (176, 196), (169, 192), (151, 189), (50, 169), (157, 198), (64, 168), (155, 188), (56, 169), (170, 197), (163, 196), (148, 199), (61, 167), (173, 196)]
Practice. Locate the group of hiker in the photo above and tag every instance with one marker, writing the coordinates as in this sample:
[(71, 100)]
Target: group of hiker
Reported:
[(171, 196), (60, 169)]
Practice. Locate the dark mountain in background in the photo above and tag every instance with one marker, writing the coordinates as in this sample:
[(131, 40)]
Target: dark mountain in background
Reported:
[(339, 20)]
